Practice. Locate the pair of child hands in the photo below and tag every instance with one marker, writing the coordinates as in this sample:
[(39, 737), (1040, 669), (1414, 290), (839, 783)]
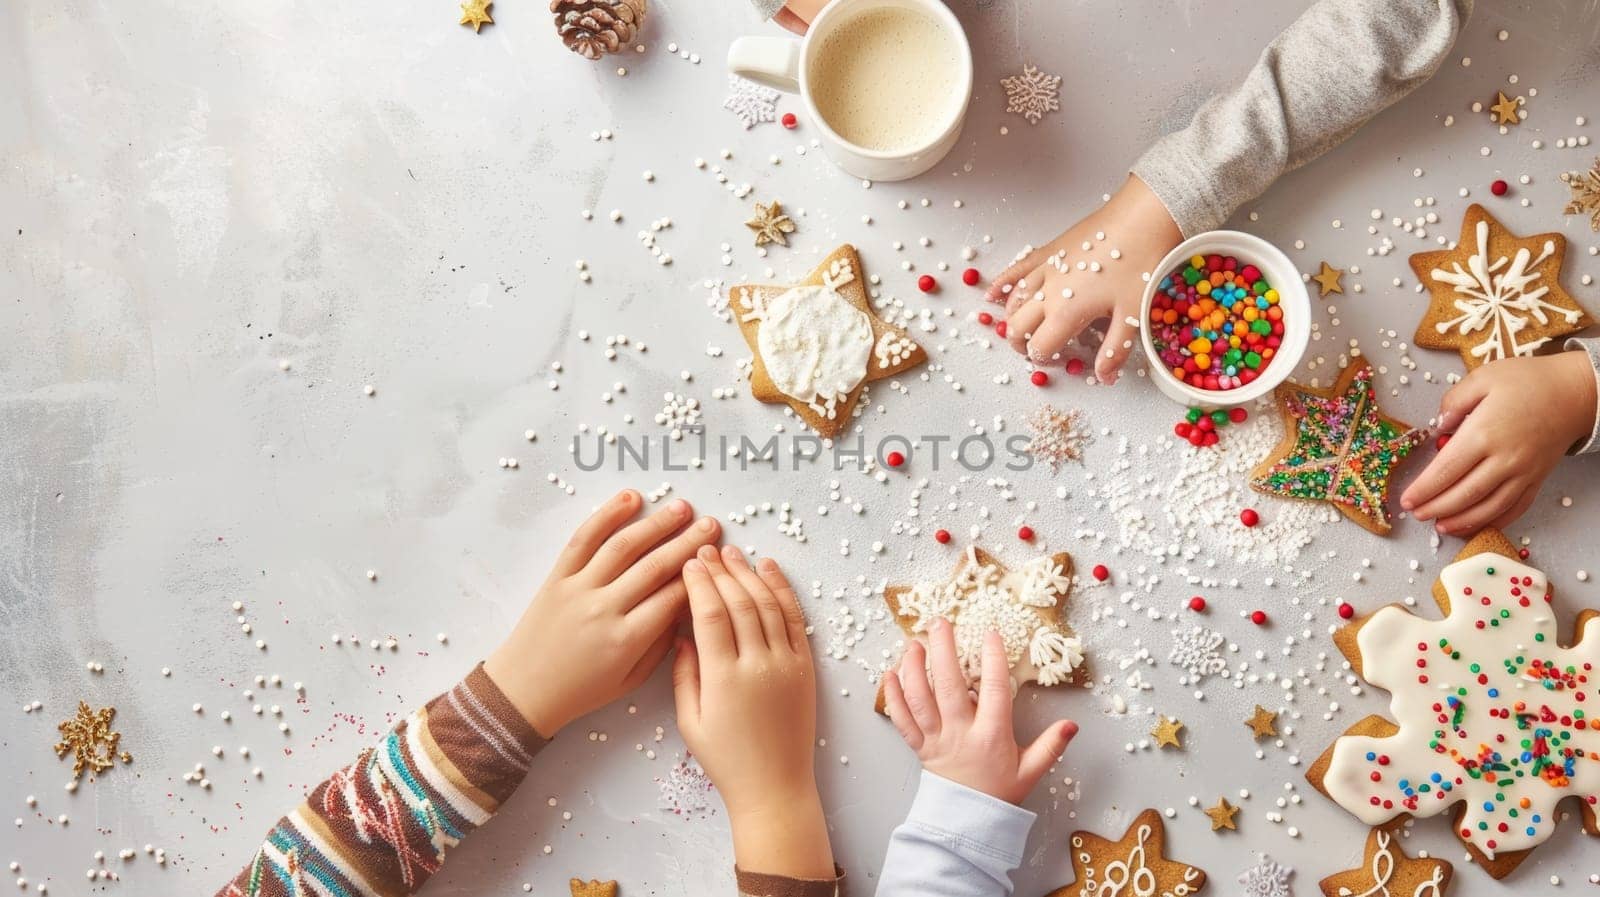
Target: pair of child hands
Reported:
[(745, 685)]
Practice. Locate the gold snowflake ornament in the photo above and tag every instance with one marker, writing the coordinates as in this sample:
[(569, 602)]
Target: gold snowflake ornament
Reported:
[(91, 740), (770, 224), (1585, 188)]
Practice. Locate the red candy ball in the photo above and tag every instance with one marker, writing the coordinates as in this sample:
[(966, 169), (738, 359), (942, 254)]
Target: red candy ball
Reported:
[(789, 121), (985, 318), (1075, 366), (1346, 611), (1183, 429), (1238, 415), (1197, 604), (896, 459), (926, 283), (1040, 378), (1025, 533), (1258, 617), (1442, 441), (970, 277), (1000, 329), (1499, 188), (1101, 572), (1249, 517), (942, 536)]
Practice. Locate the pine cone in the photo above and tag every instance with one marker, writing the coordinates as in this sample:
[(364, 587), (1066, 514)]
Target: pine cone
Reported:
[(593, 28)]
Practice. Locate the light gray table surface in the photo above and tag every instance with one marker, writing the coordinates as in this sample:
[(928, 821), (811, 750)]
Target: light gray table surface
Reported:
[(190, 195)]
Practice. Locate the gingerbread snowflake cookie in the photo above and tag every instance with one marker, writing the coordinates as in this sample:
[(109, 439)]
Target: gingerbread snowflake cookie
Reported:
[(1386, 871), (1133, 866), (1338, 447), (1495, 295), (1024, 605), (817, 343), (1491, 713)]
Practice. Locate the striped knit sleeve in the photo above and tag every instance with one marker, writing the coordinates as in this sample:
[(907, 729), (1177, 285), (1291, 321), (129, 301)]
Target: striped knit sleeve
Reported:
[(381, 826), (755, 884)]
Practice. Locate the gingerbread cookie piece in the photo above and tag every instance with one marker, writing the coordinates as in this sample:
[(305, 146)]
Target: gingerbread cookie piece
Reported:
[(817, 343), (1136, 864), (592, 888), (1496, 295), (1386, 871), (1338, 447), (1491, 712), (1023, 605)]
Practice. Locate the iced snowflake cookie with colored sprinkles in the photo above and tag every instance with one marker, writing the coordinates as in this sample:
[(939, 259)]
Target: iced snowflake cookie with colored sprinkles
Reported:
[(1386, 871), (1338, 447), (1491, 712), (1024, 605), (817, 343), (1495, 295), (1133, 866)]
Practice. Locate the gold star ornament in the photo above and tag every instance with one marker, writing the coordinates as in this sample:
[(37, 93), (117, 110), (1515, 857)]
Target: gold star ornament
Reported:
[(1328, 280), (476, 14), (1263, 723), (770, 224), (88, 736), (1166, 733), (592, 888), (1137, 860), (1222, 815), (818, 343), (1505, 110)]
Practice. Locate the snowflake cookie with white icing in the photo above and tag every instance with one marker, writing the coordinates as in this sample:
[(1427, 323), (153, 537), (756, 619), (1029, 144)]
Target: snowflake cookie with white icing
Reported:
[(1024, 605), (818, 343), (1495, 295), (1492, 715)]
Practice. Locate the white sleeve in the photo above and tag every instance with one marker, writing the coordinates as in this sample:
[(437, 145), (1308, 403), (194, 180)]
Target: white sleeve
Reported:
[(956, 842)]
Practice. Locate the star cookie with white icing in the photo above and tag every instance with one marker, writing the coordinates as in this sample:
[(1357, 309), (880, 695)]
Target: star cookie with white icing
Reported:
[(1492, 715), (818, 343), (1495, 295), (1024, 605), (1134, 866), (1387, 871)]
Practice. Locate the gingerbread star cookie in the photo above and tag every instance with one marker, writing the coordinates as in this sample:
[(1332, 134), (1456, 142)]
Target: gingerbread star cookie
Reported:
[(1496, 295), (1135, 864), (1490, 711), (1338, 447), (1386, 871), (592, 888), (817, 343), (1023, 605)]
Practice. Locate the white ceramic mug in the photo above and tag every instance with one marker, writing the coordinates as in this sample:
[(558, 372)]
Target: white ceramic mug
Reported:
[(783, 63)]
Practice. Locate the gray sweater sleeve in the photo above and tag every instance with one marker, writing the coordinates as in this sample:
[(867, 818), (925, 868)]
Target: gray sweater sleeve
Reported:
[(1332, 69), (1591, 346), (767, 8)]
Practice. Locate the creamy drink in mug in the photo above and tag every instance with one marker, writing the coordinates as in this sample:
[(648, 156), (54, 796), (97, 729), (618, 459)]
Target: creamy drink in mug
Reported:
[(888, 81)]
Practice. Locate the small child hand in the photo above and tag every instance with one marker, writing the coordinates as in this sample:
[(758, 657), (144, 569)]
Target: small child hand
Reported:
[(1050, 300), (1510, 422), (747, 707), (605, 618), (969, 743)]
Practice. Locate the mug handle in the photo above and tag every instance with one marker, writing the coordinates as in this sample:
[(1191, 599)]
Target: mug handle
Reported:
[(773, 61)]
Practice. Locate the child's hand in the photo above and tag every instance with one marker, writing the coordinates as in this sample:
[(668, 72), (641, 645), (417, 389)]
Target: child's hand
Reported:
[(1510, 422), (968, 743), (747, 708), (797, 15), (1051, 300), (605, 618)]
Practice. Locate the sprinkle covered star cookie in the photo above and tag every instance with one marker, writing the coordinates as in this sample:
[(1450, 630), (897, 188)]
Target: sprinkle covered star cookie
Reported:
[(1491, 713), (1386, 871), (1338, 447), (1496, 295), (817, 343), (1133, 865), (1024, 605)]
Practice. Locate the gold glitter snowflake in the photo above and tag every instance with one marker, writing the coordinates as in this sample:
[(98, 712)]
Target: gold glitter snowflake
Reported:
[(91, 740), (1058, 436), (770, 224), (1585, 194)]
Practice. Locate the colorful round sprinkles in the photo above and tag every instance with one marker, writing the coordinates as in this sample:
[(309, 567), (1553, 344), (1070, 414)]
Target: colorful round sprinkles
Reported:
[(1216, 322)]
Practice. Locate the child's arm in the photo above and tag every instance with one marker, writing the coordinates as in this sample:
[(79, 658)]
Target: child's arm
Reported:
[(747, 708), (597, 628), (1498, 454), (1329, 72), (964, 834), (1591, 348)]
